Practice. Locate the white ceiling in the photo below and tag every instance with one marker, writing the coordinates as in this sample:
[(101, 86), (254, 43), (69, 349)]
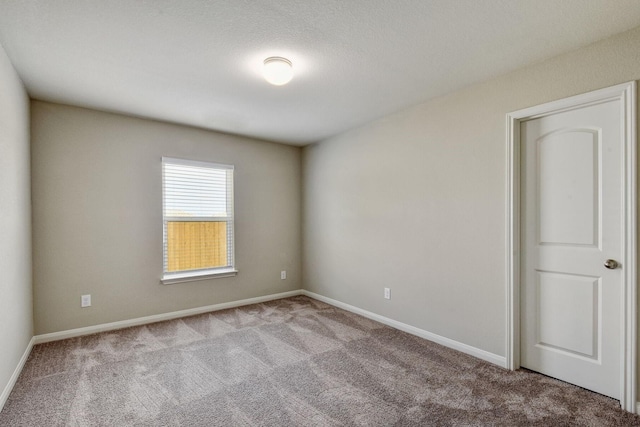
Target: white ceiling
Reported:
[(198, 62)]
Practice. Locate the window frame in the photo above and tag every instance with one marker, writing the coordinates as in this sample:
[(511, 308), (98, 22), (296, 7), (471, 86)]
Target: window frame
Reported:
[(171, 277)]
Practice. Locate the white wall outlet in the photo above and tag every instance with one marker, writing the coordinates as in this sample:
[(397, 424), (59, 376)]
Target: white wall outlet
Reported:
[(387, 293), (85, 301), (283, 274)]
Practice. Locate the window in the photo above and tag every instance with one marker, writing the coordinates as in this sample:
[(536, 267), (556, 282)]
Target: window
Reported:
[(197, 199)]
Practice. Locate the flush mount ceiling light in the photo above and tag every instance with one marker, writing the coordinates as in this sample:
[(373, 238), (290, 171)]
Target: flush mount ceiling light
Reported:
[(277, 70)]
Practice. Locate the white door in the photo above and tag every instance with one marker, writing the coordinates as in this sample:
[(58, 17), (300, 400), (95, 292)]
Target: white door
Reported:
[(572, 213)]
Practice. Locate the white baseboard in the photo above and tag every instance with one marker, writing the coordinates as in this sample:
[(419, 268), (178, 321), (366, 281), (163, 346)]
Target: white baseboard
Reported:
[(16, 373), (72, 333), (473, 351)]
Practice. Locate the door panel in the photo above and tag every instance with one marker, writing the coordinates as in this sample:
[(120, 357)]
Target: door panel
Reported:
[(568, 195), (568, 313), (571, 223)]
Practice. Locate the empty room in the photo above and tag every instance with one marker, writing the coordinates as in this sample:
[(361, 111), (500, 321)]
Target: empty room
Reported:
[(336, 213)]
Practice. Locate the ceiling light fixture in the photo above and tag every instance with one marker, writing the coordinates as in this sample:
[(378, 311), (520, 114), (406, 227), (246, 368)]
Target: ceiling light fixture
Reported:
[(277, 70)]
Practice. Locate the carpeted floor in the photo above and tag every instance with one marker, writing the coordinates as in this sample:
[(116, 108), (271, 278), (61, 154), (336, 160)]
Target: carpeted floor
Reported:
[(291, 362)]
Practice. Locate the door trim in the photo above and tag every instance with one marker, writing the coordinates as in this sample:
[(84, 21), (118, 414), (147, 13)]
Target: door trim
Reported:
[(626, 94)]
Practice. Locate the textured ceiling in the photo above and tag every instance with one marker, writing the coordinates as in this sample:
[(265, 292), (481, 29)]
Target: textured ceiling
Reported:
[(198, 62)]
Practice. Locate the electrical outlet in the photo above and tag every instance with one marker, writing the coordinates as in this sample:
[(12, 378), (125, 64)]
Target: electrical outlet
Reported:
[(283, 274), (387, 293), (85, 301)]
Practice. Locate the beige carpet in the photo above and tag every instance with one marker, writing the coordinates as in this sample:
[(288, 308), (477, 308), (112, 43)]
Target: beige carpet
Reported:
[(291, 362)]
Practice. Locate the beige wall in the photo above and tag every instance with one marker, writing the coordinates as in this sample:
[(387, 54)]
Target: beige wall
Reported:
[(97, 216), (15, 222), (416, 201)]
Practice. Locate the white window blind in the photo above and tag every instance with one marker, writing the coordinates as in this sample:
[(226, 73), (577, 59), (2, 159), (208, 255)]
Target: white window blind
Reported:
[(197, 219)]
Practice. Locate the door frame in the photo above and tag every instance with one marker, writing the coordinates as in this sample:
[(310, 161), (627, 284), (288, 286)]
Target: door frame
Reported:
[(626, 94)]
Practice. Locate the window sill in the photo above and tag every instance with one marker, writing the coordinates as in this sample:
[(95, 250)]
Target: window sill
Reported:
[(171, 278)]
